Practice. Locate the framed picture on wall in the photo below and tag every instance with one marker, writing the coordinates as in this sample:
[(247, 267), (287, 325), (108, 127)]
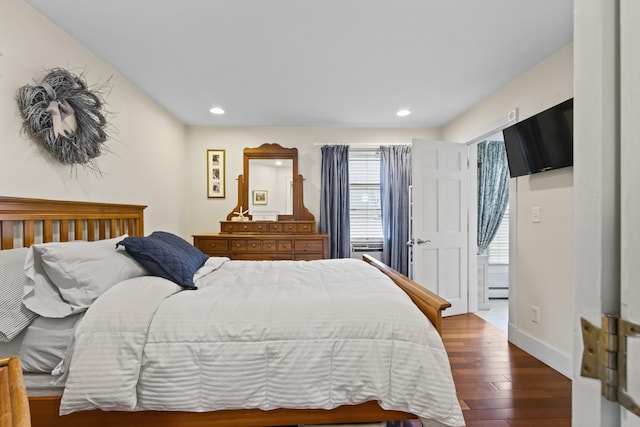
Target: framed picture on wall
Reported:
[(215, 174), (259, 197)]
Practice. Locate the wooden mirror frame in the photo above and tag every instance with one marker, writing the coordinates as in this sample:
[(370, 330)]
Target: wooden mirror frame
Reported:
[(273, 151)]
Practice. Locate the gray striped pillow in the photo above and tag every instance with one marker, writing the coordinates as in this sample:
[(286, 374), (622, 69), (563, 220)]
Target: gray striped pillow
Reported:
[(14, 316)]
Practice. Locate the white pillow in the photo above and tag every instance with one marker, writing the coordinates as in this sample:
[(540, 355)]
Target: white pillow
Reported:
[(65, 278), (15, 316)]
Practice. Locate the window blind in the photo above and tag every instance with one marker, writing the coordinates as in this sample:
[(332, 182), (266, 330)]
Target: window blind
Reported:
[(364, 195)]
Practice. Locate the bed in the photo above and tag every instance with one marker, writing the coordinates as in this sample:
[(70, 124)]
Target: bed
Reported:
[(14, 404), (24, 222)]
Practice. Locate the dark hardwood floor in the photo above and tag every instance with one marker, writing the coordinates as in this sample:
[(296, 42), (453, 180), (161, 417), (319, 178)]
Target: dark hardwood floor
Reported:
[(500, 385)]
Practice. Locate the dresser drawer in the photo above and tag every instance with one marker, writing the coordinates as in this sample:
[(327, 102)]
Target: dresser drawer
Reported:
[(276, 227), (260, 227), (290, 227), (238, 227), (246, 245), (308, 245), (306, 228), (284, 245), (269, 245), (213, 246), (238, 245), (254, 245)]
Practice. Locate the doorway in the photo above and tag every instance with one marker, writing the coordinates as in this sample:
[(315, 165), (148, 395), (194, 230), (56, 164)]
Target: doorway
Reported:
[(493, 269)]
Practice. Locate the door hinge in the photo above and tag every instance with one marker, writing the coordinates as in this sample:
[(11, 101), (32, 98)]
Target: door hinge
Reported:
[(604, 357)]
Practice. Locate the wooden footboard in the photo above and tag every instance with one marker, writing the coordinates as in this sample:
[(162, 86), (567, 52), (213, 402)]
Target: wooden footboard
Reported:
[(14, 406), (431, 304), (44, 413)]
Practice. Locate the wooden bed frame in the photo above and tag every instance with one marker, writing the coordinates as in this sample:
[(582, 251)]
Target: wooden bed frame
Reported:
[(39, 220), (14, 405)]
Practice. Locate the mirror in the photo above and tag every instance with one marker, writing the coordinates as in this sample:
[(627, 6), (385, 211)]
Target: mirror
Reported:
[(270, 187)]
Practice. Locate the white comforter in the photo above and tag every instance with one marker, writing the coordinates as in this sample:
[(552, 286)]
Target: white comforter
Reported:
[(261, 334)]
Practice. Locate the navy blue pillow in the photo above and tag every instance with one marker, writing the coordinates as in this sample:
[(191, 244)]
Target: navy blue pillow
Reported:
[(166, 255)]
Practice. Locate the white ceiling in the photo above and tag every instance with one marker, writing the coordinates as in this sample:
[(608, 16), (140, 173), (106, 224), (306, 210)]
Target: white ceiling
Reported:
[(349, 63)]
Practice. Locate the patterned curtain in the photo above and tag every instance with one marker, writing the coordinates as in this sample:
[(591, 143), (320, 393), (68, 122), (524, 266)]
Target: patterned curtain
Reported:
[(334, 199), (493, 190), (395, 179)]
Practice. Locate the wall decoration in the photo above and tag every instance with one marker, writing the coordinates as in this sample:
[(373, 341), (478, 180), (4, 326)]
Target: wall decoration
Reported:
[(65, 117), (259, 197), (215, 174)]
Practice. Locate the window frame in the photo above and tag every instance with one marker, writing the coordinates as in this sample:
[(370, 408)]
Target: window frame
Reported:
[(365, 233)]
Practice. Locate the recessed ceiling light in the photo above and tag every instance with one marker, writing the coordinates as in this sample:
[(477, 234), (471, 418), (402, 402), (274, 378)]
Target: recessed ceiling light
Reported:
[(402, 113), (216, 110)]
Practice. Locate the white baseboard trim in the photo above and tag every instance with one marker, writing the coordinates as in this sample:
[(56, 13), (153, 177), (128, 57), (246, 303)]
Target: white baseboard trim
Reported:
[(542, 351), (484, 306)]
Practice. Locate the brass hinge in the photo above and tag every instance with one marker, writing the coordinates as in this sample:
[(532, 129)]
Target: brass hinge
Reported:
[(604, 357)]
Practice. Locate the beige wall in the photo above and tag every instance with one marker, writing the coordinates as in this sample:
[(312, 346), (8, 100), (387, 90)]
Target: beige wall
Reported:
[(205, 214), (544, 250), (145, 158), (154, 160)]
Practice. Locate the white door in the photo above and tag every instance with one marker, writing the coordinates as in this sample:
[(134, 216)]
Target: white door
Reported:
[(606, 192), (440, 204), (630, 193)]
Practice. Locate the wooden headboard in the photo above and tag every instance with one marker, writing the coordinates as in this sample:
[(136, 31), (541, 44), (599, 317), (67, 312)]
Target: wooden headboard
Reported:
[(40, 220)]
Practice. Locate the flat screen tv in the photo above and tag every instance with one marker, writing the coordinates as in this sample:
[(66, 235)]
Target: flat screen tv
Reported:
[(542, 142)]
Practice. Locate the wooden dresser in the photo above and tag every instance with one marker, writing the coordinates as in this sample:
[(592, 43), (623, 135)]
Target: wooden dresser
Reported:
[(265, 240), (292, 237)]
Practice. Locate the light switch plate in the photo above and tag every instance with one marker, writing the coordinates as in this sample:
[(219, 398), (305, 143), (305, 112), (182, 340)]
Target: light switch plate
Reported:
[(535, 214)]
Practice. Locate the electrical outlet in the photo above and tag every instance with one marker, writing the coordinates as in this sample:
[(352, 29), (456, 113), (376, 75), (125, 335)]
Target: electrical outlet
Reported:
[(535, 314)]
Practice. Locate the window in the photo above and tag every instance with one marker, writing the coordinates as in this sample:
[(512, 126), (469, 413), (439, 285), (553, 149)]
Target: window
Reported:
[(364, 194), (498, 250)]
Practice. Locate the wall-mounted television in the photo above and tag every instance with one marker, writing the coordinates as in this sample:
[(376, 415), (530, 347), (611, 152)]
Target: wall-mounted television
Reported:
[(541, 142)]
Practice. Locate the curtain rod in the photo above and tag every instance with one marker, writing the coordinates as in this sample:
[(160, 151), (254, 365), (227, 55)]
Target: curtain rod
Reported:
[(360, 144)]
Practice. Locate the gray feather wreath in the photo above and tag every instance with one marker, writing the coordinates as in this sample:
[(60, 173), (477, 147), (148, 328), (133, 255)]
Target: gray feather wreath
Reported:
[(64, 117)]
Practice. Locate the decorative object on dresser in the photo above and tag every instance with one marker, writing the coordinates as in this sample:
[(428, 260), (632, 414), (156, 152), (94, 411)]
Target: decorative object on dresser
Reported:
[(216, 174), (240, 215), (285, 230)]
